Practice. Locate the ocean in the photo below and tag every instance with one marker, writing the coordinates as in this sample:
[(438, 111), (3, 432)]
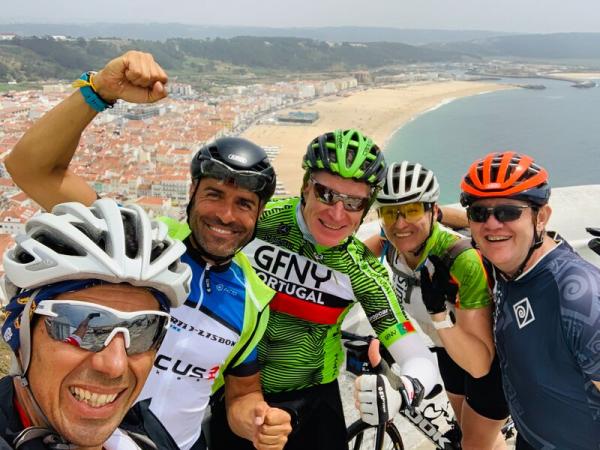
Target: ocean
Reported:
[(558, 126)]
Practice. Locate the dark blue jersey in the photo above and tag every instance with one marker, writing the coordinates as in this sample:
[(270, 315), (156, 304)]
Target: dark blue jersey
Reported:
[(547, 331)]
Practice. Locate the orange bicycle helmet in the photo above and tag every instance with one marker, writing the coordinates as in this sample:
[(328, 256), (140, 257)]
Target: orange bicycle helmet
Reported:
[(505, 175)]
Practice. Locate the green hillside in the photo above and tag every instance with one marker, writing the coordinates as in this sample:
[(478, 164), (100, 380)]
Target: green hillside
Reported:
[(44, 58)]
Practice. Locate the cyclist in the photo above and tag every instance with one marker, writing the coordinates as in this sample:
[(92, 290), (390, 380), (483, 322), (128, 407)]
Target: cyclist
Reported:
[(213, 336), (547, 312), (114, 268), (306, 250), (439, 277)]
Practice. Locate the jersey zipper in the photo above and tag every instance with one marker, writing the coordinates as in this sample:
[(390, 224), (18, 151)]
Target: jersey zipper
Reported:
[(206, 278)]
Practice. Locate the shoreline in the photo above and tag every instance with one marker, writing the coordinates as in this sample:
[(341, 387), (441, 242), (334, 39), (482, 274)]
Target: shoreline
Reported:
[(378, 112), (577, 76), (441, 104)]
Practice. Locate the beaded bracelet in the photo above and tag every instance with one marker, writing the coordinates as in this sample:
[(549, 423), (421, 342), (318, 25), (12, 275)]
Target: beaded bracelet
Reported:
[(85, 83)]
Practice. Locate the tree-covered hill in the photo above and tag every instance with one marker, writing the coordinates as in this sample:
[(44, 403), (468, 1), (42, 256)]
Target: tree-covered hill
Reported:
[(42, 58), (531, 46)]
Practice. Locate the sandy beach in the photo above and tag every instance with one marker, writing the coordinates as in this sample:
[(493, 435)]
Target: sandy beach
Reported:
[(378, 112), (578, 76)]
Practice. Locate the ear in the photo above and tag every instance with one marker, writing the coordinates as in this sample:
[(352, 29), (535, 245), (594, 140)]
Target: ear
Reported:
[(192, 187), (543, 217), (261, 209)]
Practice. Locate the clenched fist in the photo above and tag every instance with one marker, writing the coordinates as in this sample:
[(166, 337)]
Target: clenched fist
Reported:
[(272, 427), (134, 77)]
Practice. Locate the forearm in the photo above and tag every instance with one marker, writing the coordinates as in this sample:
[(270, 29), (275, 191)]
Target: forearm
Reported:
[(39, 161), (415, 360), (454, 217), (466, 349)]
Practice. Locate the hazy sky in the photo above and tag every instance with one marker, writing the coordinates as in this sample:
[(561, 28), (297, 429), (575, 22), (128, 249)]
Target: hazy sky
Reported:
[(499, 15)]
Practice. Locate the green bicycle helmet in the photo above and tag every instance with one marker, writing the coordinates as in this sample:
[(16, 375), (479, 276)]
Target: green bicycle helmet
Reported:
[(347, 153)]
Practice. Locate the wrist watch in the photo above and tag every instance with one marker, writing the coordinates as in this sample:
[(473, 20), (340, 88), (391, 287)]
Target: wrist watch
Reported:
[(448, 321)]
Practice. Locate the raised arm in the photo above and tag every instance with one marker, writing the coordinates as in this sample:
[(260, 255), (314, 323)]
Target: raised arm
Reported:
[(375, 243), (39, 163), (454, 218)]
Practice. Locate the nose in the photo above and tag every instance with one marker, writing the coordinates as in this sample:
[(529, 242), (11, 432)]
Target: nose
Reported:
[(400, 221), (492, 222), (225, 213), (337, 210), (112, 360)]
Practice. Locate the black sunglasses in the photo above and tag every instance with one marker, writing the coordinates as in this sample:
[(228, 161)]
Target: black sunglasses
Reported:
[(92, 327), (502, 213), (330, 197), (245, 179)]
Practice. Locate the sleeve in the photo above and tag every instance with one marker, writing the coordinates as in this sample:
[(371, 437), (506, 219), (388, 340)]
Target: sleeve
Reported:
[(580, 317), (375, 293), (392, 325), (247, 367), (468, 271)]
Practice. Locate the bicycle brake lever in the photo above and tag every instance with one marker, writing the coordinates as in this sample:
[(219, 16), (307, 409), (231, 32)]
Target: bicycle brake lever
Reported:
[(406, 401)]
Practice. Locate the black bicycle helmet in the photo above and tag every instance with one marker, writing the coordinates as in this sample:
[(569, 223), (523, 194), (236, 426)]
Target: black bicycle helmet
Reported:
[(240, 161), (242, 156)]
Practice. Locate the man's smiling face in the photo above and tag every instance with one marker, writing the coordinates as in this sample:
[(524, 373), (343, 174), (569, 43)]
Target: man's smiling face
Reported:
[(83, 394), (331, 224), (223, 216)]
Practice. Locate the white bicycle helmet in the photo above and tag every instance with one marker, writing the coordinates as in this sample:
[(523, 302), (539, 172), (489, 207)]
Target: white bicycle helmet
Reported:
[(407, 182), (118, 244)]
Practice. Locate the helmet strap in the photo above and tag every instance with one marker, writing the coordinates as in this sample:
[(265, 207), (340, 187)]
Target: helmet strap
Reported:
[(28, 402), (33, 437), (188, 208), (21, 365)]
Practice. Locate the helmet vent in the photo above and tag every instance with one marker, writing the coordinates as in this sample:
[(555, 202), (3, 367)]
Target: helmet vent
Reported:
[(60, 247), (350, 155), (131, 239), (23, 256), (157, 250)]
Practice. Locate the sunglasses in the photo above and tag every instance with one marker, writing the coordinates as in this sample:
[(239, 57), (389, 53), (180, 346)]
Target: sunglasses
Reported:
[(502, 213), (330, 197), (92, 327), (410, 212), (245, 179)]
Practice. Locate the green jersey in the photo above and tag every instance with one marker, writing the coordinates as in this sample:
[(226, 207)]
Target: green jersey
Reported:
[(466, 270), (316, 286)]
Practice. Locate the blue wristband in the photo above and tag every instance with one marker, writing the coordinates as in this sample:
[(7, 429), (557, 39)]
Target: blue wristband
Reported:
[(91, 97)]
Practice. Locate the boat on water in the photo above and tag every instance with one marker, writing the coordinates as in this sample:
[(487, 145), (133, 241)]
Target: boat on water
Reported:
[(532, 86), (584, 84)]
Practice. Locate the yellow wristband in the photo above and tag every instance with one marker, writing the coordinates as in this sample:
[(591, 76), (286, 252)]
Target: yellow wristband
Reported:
[(79, 83)]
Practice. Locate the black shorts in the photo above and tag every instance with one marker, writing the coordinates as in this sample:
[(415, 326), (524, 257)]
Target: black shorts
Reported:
[(485, 395), (318, 420)]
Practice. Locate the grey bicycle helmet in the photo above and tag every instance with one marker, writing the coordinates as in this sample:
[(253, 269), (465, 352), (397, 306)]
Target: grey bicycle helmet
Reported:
[(118, 244)]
